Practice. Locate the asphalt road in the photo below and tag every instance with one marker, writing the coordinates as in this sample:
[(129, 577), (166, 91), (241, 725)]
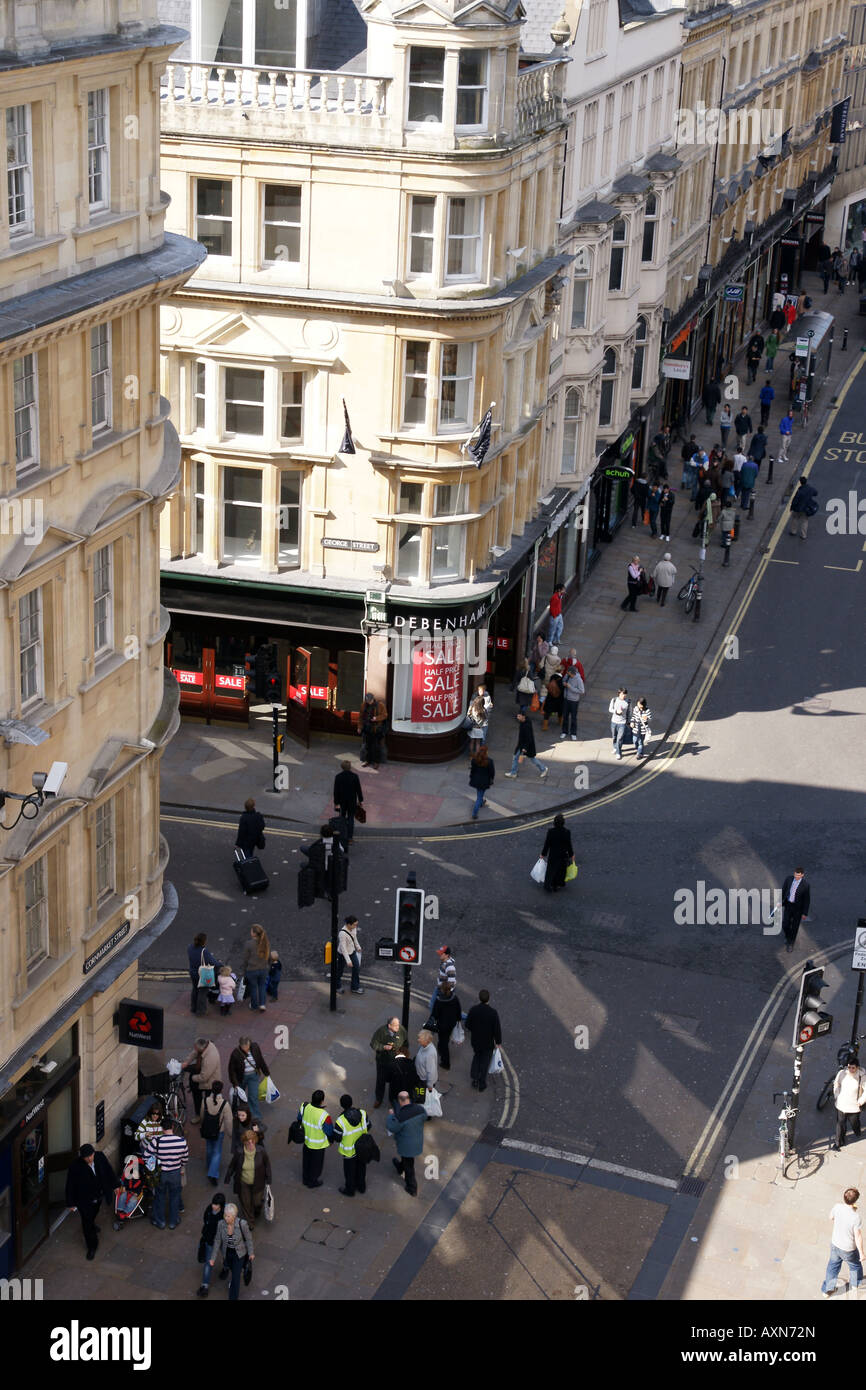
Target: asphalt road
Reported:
[(771, 774)]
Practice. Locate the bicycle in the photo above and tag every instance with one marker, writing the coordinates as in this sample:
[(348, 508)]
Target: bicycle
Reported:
[(787, 1116), (841, 1060), (693, 592), (174, 1102)]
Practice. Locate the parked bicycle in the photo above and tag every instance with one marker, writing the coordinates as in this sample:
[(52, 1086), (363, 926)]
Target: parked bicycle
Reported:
[(842, 1055), (805, 1163), (693, 593), (174, 1097)]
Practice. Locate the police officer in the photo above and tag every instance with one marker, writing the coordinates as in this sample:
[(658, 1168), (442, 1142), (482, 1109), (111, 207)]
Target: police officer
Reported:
[(318, 1134), (350, 1126)]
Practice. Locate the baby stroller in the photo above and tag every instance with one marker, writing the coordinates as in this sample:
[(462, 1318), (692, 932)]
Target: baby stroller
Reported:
[(129, 1198)]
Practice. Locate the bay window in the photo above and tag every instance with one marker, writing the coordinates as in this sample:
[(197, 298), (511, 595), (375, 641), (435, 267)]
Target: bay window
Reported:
[(421, 219), (617, 255), (244, 401), (463, 239), (608, 382), (289, 538), (456, 385), (472, 88), (570, 428), (426, 84), (242, 515), (639, 355), (415, 383)]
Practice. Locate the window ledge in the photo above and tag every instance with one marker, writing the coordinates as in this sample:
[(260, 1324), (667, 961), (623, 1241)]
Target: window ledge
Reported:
[(409, 437), (106, 441), (41, 975), (414, 519), (39, 712), (110, 906), (105, 219), (254, 450), (38, 478), (106, 666), (22, 246)]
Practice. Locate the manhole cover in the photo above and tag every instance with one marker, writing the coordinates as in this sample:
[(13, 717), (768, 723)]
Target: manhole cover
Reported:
[(339, 1238), (318, 1232)]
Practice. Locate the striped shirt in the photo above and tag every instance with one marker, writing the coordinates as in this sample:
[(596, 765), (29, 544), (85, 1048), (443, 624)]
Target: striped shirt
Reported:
[(172, 1152), (447, 972)]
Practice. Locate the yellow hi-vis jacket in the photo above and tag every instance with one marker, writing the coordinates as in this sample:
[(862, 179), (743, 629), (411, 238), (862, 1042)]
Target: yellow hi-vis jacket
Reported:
[(350, 1134), (313, 1121)]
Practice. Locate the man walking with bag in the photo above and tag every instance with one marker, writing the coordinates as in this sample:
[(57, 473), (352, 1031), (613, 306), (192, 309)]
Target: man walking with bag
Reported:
[(485, 1033), (572, 689), (251, 829), (348, 796), (525, 747), (804, 504)]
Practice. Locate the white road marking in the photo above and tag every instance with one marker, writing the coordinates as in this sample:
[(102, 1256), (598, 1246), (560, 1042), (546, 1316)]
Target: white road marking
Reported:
[(584, 1161)]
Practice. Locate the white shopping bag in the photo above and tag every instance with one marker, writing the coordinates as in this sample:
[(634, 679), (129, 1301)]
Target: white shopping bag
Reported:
[(433, 1103), (271, 1094), (538, 871), (457, 1034), (237, 1093), (269, 1203), (496, 1063)]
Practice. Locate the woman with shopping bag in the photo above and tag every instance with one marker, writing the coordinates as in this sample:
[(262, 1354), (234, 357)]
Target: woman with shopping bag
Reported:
[(557, 852), (445, 1016), (485, 1033), (250, 1167)]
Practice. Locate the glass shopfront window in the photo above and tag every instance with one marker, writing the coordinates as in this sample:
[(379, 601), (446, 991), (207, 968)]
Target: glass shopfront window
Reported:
[(429, 690)]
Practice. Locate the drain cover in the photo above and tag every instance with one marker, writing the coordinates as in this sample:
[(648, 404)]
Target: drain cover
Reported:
[(692, 1187)]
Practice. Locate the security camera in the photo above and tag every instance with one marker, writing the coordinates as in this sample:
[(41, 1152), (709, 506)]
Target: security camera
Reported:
[(55, 779), (39, 779)]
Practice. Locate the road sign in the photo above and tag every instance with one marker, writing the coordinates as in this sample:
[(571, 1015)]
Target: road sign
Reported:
[(408, 955), (801, 347), (859, 961)]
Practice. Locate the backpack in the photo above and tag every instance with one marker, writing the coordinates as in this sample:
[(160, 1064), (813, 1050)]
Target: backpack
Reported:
[(210, 1124)]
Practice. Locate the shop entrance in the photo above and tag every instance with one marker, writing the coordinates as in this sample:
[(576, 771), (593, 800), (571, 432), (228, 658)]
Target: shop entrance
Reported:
[(324, 691)]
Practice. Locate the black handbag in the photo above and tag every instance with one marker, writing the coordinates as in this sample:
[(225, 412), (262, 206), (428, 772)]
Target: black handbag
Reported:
[(201, 1250), (296, 1132), (260, 842), (248, 1270)]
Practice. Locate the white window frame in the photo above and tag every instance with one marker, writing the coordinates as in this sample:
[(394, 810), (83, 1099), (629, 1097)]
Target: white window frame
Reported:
[(103, 601), (582, 275), (199, 394), (249, 506), (464, 238), (281, 222), (298, 377), (25, 384), (457, 376), (33, 687), (483, 86), (413, 529), (618, 245), (424, 376), (199, 499), (457, 570), (408, 511), (571, 423), (100, 342), (37, 938), (650, 219), (624, 138), (19, 170), (99, 149), (640, 347), (215, 216), (105, 850), (424, 86), (425, 240), (240, 400), (283, 515), (607, 377)]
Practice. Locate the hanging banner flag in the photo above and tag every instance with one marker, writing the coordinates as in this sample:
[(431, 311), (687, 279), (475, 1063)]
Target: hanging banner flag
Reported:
[(347, 446), (479, 449), (839, 128)]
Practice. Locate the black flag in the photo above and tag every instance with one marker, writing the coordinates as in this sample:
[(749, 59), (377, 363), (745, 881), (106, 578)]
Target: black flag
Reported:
[(479, 449), (347, 446)]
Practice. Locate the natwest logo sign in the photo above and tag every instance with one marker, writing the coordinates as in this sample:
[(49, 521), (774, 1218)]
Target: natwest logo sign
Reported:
[(138, 1024)]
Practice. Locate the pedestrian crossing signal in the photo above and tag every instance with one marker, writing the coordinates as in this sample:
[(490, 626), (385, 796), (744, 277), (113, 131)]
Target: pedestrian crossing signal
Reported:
[(280, 741)]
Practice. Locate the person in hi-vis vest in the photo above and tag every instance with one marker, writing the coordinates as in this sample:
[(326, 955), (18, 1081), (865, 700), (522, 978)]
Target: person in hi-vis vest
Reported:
[(318, 1134), (349, 1127)]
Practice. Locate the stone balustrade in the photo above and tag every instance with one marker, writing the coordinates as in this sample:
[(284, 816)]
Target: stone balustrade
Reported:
[(539, 96)]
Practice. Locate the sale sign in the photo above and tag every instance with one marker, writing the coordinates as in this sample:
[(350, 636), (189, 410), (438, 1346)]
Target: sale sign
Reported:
[(187, 677), (437, 681), (234, 683)]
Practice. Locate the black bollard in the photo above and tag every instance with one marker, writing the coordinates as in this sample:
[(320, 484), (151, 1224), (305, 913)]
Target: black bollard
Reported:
[(771, 463), (737, 527), (844, 347)]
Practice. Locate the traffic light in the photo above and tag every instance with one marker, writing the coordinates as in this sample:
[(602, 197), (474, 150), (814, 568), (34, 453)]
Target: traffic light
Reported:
[(306, 885), (274, 688), (409, 925), (812, 1020)]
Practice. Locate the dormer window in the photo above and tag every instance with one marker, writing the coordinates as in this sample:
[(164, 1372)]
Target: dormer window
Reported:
[(426, 84)]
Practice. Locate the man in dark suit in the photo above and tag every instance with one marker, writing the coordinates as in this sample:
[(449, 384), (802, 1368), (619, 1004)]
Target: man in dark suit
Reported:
[(251, 827), (485, 1033), (348, 795), (795, 905), (89, 1179)]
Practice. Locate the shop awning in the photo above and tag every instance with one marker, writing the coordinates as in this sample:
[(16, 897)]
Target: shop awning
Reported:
[(256, 603)]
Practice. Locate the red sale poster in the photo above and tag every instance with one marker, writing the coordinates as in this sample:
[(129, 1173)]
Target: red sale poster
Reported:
[(437, 681)]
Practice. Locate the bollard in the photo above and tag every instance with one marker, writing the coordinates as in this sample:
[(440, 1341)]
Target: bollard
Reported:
[(752, 505), (771, 463), (737, 527), (844, 347)]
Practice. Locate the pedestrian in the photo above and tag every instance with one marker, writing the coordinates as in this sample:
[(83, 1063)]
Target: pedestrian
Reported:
[(739, 459), (758, 446), (653, 501), (640, 724), (771, 349), (426, 1061), (572, 689), (525, 747), (348, 795), (726, 420), (148, 1132), (767, 396), (386, 1040), (247, 1067), (726, 480), (748, 478), (777, 319), (402, 1075), (216, 1124), (664, 575), (318, 1133), (726, 526), (711, 397), (372, 721), (571, 663), (754, 349), (213, 1215), (540, 648), (476, 722), (842, 273), (204, 1067), (348, 1127), (227, 983), (552, 707), (804, 504), (200, 963), (849, 1093), (555, 626), (742, 425), (172, 1156), (275, 974), (482, 773), (524, 684), (638, 499), (666, 507), (796, 900), (854, 259), (234, 1246), (552, 664), (406, 1126), (557, 852), (251, 830), (619, 710), (687, 453), (825, 270), (249, 1171), (349, 953), (447, 972), (242, 1120), (485, 1033), (633, 582), (257, 955), (445, 1015), (846, 1243), (700, 469), (89, 1179), (786, 429)]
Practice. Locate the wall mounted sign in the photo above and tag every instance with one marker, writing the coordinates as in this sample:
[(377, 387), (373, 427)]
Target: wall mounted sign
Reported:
[(102, 951), (139, 1025), (677, 367), (334, 543)]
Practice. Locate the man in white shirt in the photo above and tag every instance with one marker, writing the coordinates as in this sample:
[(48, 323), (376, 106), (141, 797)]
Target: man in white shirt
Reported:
[(846, 1243), (849, 1090), (739, 460)]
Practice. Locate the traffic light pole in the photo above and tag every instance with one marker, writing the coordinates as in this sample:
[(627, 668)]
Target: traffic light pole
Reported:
[(275, 738), (859, 1001), (407, 989), (795, 1092), (334, 876)]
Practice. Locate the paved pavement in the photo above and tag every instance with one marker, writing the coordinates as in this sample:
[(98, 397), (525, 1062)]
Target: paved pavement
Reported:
[(654, 652)]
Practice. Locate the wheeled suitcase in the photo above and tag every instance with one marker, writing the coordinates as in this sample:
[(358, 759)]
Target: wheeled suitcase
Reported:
[(251, 875)]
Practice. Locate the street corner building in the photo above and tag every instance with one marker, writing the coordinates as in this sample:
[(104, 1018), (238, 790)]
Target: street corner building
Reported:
[(359, 370), (88, 459)]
